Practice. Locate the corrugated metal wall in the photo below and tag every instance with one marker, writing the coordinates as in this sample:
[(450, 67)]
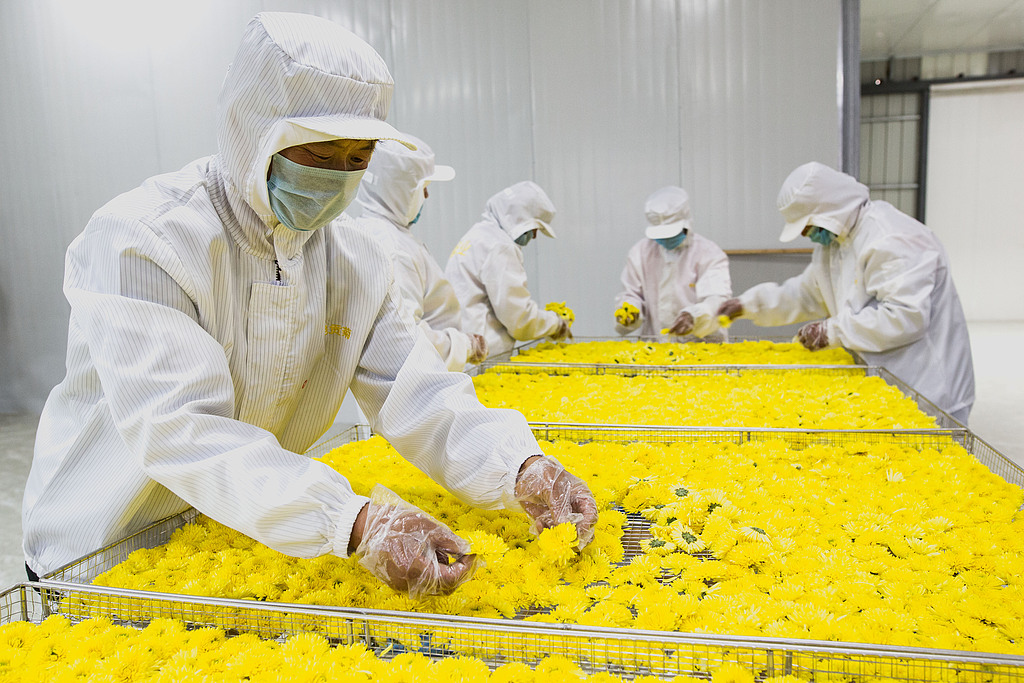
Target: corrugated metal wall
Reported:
[(890, 130), (599, 101)]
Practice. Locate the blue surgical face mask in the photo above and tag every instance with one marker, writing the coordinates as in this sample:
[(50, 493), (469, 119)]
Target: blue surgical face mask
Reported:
[(525, 238), (671, 243), (307, 198), (820, 235)]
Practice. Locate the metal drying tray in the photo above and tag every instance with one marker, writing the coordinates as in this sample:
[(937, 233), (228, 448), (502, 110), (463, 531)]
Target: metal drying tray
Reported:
[(943, 419), (88, 567), (627, 653), (509, 356)]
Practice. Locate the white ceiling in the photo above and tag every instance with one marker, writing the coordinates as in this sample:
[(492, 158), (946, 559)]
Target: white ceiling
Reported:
[(913, 28)]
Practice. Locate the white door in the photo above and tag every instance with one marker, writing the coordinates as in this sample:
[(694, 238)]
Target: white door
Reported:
[(975, 192)]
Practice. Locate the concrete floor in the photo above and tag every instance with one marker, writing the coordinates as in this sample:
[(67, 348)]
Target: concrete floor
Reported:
[(999, 374)]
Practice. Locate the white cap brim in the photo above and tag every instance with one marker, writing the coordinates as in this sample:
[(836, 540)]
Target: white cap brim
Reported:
[(348, 127), (546, 229), (665, 230), (793, 229), (441, 174)]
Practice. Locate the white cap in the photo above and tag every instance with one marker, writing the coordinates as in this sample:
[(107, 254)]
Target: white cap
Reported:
[(668, 213), (359, 81)]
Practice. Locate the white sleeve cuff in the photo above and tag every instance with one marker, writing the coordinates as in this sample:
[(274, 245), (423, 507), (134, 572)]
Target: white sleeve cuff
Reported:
[(345, 519)]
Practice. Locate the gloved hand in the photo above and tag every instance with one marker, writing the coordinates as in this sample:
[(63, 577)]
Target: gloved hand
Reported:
[(731, 308), (550, 495), (683, 325), (562, 332), (477, 349), (409, 550), (626, 314), (814, 336)]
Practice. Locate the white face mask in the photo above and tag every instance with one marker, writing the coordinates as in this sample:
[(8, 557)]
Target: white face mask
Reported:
[(307, 198), (413, 214)]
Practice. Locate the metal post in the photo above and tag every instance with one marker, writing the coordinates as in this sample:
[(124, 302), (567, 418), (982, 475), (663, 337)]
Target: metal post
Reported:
[(849, 77), (922, 153)]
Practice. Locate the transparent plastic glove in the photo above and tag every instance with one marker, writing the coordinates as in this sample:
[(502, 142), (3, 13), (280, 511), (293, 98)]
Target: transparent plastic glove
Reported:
[(477, 349), (814, 336), (562, 332), (731, 309), (550, 495), (627, 314), (411, 551), (683, 325)]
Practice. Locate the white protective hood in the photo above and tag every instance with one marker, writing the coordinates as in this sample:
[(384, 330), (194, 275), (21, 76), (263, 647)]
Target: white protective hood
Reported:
[(297, 79), (815, 194), (521, 208), (392, 187)]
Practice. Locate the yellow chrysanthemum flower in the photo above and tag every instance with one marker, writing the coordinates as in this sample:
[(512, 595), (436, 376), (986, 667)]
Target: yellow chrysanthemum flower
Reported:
[(558, 544), (732, 673), (485, 544), (686, 539), (563, 311), (657, 546), (753, 533)]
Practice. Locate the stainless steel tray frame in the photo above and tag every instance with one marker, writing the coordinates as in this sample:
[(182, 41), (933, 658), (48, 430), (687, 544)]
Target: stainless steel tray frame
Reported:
[(797, 438), (942, 418), (628, 653), (507, 356)]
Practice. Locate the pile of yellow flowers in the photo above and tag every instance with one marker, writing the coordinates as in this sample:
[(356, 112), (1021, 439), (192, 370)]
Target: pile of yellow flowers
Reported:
[(166, 652), (893, 542), (626, 312), (634, 352), (563, 311), (763, 399), (853, 542)]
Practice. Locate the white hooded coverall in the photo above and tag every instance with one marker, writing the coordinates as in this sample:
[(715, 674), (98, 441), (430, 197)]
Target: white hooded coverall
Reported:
[(883, 285), (390, 196), (209, 346), (693, 277), (486, 269)]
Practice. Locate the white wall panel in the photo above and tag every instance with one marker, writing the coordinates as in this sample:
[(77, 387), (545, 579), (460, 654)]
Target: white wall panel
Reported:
[(599, 101), (98, 97), (64, 154), (606, 135), (759, 96), (462, 84), (974, 201)]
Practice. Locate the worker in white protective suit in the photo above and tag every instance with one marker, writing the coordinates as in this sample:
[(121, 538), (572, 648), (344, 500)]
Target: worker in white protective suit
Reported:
[(674, 279), (486, 269), (879, 280), (391, 197), (220, 313)]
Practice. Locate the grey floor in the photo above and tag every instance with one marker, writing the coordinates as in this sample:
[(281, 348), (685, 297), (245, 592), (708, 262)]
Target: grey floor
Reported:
[(996, 418)]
